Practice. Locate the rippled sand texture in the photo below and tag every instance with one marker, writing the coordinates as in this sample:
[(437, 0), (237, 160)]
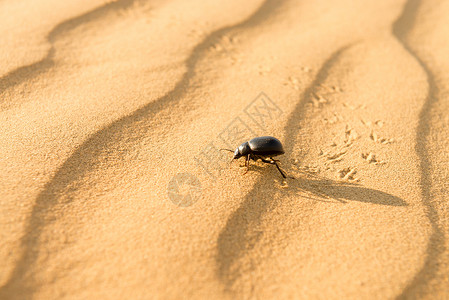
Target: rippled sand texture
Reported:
[(103, 102)]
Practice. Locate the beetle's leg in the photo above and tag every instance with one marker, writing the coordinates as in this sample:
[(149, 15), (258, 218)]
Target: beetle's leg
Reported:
[(274, 162), (247, 164), (280, 170), (271, 161), (266, 160)]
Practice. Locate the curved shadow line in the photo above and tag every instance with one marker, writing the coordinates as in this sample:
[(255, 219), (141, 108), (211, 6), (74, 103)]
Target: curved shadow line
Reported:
[(343, 191), (85, 155), (435, 247), (24, 73), (236, 238)]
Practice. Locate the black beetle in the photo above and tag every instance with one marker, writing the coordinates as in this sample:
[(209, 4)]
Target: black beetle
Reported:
[(260, 148)]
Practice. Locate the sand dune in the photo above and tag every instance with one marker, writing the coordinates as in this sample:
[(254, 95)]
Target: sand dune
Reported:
[(107, 105)]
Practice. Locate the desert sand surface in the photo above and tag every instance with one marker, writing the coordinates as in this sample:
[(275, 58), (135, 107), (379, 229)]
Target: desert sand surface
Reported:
[(112, 114)]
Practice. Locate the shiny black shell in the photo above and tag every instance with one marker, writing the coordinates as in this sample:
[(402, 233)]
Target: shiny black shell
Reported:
[(266, 146)]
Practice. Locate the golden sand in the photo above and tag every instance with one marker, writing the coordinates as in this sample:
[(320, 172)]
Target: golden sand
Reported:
[(112, 114)]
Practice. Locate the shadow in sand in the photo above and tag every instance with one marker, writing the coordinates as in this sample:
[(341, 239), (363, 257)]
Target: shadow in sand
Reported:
[(239, 236), (419, 285)]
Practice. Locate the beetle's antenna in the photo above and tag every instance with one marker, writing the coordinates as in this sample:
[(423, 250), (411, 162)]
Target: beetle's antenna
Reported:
[(231, 152)]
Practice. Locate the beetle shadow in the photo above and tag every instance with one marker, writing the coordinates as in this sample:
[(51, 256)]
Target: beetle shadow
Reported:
[(314, 187), (325, 189)]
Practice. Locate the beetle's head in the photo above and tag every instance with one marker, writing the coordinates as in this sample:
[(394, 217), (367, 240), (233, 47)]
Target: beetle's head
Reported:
[(237, 154), (242, 150)]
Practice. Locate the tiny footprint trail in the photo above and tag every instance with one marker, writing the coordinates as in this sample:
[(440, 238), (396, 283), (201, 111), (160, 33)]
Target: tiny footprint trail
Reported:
[(241, 235)]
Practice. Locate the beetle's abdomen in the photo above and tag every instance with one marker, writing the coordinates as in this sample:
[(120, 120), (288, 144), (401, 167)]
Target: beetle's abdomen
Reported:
[(266, 146)]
